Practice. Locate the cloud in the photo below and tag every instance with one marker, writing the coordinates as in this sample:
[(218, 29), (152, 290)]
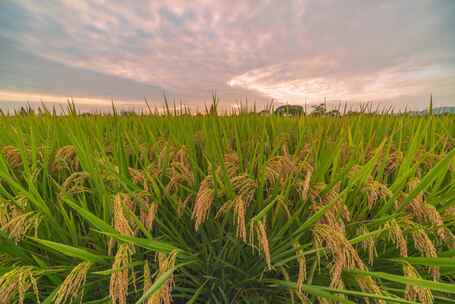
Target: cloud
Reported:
[(263, 49), (323, 78), (25, 72)]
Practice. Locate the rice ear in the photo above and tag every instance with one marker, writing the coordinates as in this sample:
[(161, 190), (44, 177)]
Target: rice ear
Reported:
[(302, 273), (17, 282), (165, 262), (259, 228), (19, 226), (121, 222), (412, 292), (426, 247), (344, 256), (239, 207), (118, 286), (73, 285), (396, 235), (368, 244), (12, 156), (75, 183), (65, 159), (204, 200), (304, 186)]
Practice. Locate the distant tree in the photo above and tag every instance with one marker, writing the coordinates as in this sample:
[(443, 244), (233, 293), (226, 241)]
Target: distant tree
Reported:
[(319, 109), (333, 113), (293, 110)]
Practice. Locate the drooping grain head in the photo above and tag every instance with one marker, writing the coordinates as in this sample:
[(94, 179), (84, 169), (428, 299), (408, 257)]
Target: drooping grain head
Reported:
[(12, 156), (302, 273), (180, 173), (396, 235), (118, 286), (426, 214), (413, 292), (137, 176), (75, 183), (232, 164), (258, 228), (279, 169), (204, 200), (303, 186), (182, 203), (337, 214), (224, 209), (65, 159), (244, 186), (368, 244), (20, 225), (122, 203), (368, 284), (426, 247), (375, 191), (344, 257), (394, 161), (148, 214), (155, 298), (165, 263), (72, 287), (239, 207), (15, 284)]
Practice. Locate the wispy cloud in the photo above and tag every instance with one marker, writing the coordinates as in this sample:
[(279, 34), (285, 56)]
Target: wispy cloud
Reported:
[(264, 49), (323, 78)]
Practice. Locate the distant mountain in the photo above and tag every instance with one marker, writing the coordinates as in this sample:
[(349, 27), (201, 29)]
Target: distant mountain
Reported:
[(436, 111), (443, 110)]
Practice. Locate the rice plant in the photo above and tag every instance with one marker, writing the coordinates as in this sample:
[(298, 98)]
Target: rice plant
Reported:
[(227, 209)]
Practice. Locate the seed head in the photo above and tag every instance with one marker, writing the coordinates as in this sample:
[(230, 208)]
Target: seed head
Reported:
[(279, 168), (204, 200), (368, 244), (65, 158), (16, 283), (344, 256), (426, 247), (148, 214), (164, 295), (302, 267), (239, 206), (18, 226), (396, 235), (12, 156), (75, 183), (258, 228), (121, 224), (73, 285), (118, 287), (413, 292), (304, 186)]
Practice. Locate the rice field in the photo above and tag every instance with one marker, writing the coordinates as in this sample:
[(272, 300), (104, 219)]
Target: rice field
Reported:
[(227, 209)]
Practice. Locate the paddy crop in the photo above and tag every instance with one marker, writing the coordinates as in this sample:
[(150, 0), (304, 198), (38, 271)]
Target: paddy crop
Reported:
[(235, 209)]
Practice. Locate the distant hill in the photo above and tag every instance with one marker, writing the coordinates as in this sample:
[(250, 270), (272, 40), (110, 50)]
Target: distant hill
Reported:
[(436, 111), (443, 110)]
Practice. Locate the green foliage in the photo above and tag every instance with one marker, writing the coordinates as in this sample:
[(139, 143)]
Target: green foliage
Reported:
[(292, 110), (245, 208)]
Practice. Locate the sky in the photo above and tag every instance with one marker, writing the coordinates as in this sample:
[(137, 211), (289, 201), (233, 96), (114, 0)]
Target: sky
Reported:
[(391, 52)]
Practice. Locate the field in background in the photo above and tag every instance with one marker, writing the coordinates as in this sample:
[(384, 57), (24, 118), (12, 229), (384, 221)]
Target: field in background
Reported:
[(236, 209)]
